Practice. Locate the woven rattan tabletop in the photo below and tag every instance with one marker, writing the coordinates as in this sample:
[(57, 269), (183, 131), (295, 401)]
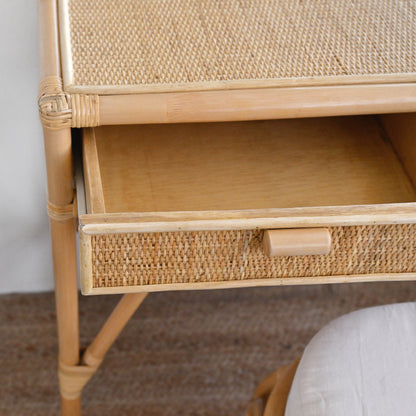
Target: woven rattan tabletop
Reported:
[(116, 46)]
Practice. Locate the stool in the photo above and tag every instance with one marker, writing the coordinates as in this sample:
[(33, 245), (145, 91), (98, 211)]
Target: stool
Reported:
[(363, 363)]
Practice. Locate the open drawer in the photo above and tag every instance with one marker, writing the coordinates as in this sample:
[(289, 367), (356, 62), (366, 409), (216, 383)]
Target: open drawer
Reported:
[(186, 206)]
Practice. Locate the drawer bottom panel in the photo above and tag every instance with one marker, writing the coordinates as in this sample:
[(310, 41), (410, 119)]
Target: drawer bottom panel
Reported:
[(164, 258)]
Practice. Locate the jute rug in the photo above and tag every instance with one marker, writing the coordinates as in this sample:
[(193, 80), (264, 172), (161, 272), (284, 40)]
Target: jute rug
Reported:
[(186, 353)]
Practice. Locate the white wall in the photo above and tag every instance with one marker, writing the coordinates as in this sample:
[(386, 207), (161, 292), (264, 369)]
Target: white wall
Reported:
[(25, 259)]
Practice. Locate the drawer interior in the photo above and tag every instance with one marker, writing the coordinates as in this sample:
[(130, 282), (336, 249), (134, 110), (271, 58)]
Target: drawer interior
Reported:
[(185, 206), (255, 165)]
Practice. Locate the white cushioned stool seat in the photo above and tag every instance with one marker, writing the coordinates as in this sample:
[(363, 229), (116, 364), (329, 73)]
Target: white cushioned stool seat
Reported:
[(361, 364)]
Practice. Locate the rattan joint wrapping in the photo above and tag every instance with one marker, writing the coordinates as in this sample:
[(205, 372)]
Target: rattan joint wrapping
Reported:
[(59, 110), (54, 105), (61, 213), (73, 378)]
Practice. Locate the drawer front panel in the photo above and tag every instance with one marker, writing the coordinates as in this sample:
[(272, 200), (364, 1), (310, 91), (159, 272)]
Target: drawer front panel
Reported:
[(171, 258)]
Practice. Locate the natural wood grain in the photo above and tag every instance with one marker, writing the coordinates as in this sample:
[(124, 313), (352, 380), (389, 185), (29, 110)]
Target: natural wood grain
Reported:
[(65, 48), (66, 289), (93, 185), (253, 84), (270, 396), (70, 407), (249, 165), (276, 402), (85, 250), (249, 219), (256, 104), (401, 128), (121, 314), (59, 169), (297, 242), (49, 62), (58, 152)]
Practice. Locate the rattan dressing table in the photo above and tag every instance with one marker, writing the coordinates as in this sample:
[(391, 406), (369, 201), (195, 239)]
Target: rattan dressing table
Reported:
[(224, 144)]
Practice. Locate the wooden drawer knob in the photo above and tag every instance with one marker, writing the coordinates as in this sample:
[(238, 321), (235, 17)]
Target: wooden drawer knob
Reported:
[(297, 242)]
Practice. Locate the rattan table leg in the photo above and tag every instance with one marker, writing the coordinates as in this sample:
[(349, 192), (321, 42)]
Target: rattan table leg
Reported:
[(66, 290), (66, 299), (70, 407), (73, 377), (56, 116), (115, 323), (58, 153)]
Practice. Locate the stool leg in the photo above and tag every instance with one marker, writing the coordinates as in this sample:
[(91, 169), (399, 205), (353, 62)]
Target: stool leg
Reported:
[(270, 396)]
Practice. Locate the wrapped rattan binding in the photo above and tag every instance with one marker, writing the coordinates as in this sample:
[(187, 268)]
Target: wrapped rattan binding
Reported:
[(54, 105), (58, 110), (73, 378), (62, 213)]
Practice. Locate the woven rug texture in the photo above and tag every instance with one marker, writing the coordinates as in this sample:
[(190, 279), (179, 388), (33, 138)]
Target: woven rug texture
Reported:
[(184, 353)]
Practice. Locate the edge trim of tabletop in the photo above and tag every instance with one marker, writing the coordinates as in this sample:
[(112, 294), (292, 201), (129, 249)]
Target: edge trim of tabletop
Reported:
[(256, 104), (71, 87), (244, 84)]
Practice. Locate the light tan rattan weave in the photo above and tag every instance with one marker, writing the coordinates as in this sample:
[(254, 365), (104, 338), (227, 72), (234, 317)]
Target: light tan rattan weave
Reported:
[(156, 45), (212, 256)]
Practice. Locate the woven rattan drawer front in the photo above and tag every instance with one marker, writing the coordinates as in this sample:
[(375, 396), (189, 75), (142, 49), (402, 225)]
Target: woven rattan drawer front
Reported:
[(186, 260)]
